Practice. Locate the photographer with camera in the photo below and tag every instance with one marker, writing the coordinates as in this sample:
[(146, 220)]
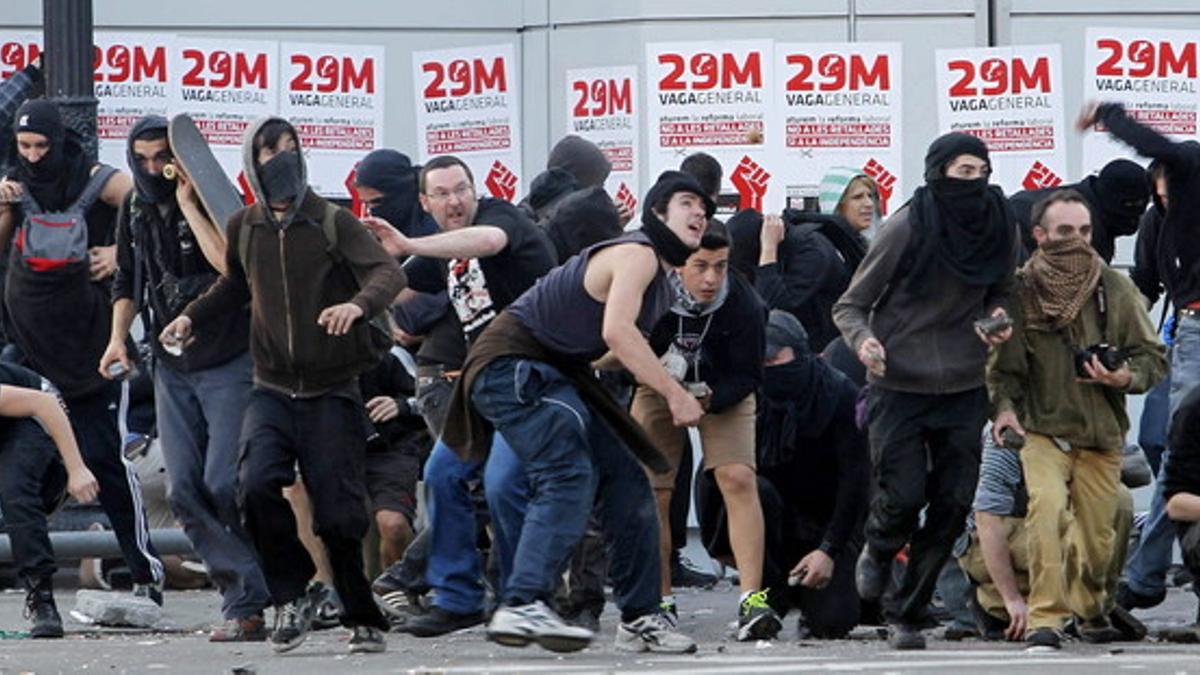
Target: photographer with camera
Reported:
[(168, 253), (1081, 341), (712, 341)]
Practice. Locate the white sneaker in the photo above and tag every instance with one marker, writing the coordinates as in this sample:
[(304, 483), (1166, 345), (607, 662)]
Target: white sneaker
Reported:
[(535, 622), (653, 633)]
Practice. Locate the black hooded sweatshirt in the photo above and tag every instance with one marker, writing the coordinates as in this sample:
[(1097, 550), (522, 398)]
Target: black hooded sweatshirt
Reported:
[(1106, 227), (153, 234), (810, 272), (1177, 249)]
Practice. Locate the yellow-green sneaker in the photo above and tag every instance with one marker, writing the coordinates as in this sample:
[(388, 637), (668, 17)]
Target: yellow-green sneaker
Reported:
[(756, 619)]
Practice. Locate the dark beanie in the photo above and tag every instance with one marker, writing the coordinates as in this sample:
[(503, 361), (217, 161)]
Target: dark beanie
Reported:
[(670, 182), (582, 159), (947, 147), (785, 330), (385, 170), (1122, 187), (40, 117)]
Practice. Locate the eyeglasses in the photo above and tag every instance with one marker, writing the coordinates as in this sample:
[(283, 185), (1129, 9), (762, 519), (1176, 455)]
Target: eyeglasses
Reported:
[(460, 192)]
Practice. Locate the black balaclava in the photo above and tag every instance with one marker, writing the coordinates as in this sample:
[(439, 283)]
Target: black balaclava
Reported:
[(965, 226), (582, 159), (283, 177), (1122, 191), (392, 173), (666, 243), (60, 175), (800, 397), (152, 189)]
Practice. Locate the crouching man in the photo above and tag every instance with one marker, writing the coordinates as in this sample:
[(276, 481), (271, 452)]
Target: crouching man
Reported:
[(1081, 341)]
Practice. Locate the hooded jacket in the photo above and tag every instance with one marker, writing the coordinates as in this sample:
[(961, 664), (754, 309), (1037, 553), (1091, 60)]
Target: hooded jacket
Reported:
[(809, 274), (156, 238), (930, 342), (291, 279), (1177, 249), (1108, 222)]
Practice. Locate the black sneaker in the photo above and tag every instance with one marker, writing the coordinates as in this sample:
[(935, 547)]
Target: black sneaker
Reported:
[(1131, 599), (756, 619), (292, 623), (904, 636), (1130, 628), (439, 621), (584, 619), (1097, 631), (684, 573), (1044, 637), (41, 610), (871, 575), (327, 606), (367, 640), (152, 591)]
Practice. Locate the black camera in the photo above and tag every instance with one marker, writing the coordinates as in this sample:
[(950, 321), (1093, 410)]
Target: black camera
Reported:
[(1110, 357)]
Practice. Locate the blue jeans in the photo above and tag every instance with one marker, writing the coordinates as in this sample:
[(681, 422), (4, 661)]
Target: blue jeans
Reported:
[(508, 497), (570, 458), (453, 568), (199, 418), (1146, 569)]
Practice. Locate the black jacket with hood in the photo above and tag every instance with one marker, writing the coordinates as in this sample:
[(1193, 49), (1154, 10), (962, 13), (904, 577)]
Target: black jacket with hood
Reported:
[(291, 278), (810, 272), (157, 249), (1177, 249)]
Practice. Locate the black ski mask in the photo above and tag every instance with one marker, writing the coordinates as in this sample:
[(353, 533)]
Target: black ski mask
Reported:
[(282, 177), (151, 188), (55, 180)]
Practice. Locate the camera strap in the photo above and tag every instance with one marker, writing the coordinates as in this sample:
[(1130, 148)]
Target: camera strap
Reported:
[(1102, 309)]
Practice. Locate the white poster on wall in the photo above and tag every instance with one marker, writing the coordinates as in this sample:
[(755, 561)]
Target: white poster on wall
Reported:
[(715, 97), (601, 108), (225, 85), (334, 98), (1011, 97), (468, 105), (132, 78), (1153, 73), (839, 107)]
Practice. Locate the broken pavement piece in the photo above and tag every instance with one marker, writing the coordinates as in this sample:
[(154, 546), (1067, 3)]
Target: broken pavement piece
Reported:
[(118, 609)]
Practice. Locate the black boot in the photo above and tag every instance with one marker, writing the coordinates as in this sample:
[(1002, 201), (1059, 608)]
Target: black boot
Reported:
[(41, 610)]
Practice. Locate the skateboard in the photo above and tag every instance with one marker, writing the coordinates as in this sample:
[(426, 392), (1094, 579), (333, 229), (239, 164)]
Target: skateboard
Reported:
[(217, 194)]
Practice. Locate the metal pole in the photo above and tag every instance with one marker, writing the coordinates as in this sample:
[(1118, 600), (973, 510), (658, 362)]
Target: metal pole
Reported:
[(94, 544), (67, 26)]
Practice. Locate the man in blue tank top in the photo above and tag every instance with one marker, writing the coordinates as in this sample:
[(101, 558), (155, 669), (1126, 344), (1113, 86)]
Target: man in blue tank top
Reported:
[(529, 376)]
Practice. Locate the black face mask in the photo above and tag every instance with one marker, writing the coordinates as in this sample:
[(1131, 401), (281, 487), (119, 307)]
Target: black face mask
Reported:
[(786, 381), (152, 188), (282, 178), (962, 199)]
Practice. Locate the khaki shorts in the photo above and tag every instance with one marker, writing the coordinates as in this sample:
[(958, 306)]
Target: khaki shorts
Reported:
[(727, 437)]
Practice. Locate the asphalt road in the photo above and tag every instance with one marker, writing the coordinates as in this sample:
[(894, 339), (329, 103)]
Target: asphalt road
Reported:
[(182, 647)]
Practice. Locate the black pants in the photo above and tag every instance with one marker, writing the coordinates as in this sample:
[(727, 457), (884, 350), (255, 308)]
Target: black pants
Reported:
[(94, 421), (325, 436), (32, 484), (925, 451)]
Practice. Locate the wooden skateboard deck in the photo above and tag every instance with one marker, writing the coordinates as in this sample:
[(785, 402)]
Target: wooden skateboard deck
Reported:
[(217, 193)]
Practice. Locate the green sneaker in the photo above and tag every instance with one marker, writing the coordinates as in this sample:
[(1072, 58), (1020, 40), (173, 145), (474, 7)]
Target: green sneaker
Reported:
[(756, 619)]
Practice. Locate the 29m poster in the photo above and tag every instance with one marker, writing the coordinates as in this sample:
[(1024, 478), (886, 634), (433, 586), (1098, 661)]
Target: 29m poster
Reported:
[(1011, 97), (468, 105), (715, 97), (838, 106), (1153, 73), (601, 107)]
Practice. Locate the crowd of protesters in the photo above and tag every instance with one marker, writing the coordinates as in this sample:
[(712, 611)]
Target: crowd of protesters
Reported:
[(906, 418)]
